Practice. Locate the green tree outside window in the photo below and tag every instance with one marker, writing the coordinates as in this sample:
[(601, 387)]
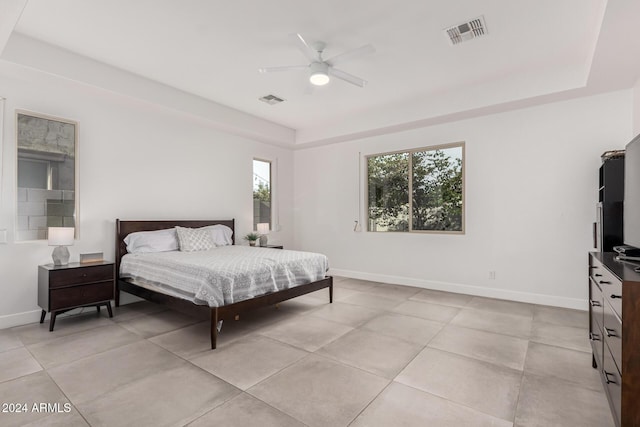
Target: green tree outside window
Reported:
[(418, 190)]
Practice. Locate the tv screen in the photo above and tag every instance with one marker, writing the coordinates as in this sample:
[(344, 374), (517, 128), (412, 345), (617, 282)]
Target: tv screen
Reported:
[(632, 193)]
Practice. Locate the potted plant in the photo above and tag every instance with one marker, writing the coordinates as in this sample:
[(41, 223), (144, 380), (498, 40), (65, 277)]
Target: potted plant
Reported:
[(252, 238)]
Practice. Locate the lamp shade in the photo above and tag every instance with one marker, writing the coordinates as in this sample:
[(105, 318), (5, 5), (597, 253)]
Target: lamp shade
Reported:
[(263, 228), (61, 236)]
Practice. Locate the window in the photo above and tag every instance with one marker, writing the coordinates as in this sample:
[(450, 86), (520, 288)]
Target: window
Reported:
[(261, 192), (417, 190)]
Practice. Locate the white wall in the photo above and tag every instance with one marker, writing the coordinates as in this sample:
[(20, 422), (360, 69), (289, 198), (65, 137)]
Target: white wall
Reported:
[(636, 108), (531, 191), (137, 161), (530, 174)]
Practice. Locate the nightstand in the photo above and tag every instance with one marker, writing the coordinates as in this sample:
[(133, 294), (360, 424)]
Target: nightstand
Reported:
[(271, 246), (65, 287)]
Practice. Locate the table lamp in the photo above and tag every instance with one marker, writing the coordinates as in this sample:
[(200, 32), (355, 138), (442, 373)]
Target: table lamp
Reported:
[(263, 230), (61, 237)]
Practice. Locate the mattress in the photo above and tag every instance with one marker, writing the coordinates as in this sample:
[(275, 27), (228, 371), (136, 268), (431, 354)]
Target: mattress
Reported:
[(223, 275)]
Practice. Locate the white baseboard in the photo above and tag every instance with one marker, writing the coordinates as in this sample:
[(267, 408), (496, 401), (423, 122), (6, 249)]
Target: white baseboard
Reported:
[(19, 319), (552, 300)]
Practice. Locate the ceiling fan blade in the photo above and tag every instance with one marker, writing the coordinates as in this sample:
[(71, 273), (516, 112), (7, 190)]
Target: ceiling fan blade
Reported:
[(348, 77), (351, 54), (283, 68), (311, 54)]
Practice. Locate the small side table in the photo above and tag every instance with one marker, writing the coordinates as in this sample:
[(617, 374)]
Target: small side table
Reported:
[(65, 287)]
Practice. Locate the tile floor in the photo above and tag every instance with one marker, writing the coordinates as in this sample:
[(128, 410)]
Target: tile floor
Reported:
[(380, 355)]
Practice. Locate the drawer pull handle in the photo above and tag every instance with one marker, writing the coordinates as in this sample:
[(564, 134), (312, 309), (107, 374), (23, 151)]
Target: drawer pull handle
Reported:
[(614, 296), (607, 380), (598, 275), (604, 282), (594, 337), (610, 332), (594, 303)]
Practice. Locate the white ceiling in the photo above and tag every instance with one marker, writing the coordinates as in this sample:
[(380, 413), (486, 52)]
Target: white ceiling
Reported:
[(213, 48)]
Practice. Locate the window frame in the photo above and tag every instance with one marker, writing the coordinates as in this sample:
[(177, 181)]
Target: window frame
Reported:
[(410, 153), (270, 162)]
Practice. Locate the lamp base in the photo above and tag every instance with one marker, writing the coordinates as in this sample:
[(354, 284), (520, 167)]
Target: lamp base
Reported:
[(263, 240), (60, 255)]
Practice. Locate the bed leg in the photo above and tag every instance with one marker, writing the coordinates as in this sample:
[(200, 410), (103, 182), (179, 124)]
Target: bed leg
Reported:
[(331, 290), (214, 327), (117, 297)]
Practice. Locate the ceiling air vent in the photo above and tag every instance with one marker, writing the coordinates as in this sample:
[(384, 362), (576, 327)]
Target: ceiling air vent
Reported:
[(467, 31), (271, 99)]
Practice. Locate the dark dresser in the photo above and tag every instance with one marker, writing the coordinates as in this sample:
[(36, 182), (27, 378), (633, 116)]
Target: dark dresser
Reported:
[(614, 331)]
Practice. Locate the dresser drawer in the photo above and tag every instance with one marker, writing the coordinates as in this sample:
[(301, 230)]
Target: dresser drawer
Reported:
[(613, 295), (613, 384), (610, 285), (596, 339), (600, 273), (81, 295), (596, 301), (612, 330), (76, 276)]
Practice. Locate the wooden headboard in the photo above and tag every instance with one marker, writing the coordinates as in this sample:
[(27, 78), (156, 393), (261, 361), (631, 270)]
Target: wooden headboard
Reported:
[(124, 228)]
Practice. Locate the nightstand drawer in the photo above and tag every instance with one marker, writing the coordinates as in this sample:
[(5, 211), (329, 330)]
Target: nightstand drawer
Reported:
[(75, 276), (81, 295)]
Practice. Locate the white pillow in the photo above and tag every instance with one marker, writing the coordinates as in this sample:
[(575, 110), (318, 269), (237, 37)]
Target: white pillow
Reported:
[(221, 234), (152, 241), (194, 239)]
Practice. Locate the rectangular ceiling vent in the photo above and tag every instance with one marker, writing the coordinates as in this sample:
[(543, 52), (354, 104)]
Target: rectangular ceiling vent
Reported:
[(271, 99), (467, 31)]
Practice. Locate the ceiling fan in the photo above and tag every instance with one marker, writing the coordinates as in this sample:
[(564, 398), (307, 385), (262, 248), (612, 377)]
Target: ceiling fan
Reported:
[(320, 69)]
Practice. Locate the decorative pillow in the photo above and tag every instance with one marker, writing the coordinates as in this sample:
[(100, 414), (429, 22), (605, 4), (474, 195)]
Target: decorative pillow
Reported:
[(194, 239), (221, 234), (152, 241)]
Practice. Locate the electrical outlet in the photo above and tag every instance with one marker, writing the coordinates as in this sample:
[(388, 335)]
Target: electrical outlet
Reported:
[(492, 275)]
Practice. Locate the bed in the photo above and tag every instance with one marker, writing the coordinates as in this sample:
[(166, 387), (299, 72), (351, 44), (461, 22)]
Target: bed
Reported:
[(227, 307)]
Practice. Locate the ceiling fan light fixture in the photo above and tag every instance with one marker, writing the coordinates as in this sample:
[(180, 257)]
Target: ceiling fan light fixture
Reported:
[(319, 74), (321, 71)]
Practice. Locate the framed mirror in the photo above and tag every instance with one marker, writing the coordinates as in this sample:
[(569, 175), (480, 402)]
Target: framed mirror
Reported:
[(46, 174)]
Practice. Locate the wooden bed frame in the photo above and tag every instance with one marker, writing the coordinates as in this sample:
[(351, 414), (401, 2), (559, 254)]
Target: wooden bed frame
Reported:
[(215, 314)]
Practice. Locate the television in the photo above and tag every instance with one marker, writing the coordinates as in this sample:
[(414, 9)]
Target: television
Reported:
[(631, 226)]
